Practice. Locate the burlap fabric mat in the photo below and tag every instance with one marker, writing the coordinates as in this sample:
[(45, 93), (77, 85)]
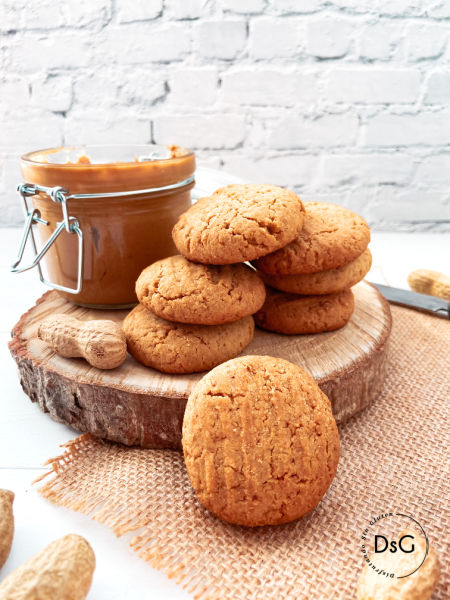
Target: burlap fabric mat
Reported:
[(393, 457)]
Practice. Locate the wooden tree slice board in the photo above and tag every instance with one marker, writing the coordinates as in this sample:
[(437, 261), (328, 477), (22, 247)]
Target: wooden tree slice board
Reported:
[(136, 405)]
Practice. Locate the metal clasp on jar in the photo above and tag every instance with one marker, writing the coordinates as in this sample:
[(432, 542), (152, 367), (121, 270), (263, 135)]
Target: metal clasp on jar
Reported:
[(68, 223)]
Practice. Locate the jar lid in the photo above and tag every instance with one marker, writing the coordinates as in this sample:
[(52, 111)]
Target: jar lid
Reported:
[(115, 168)]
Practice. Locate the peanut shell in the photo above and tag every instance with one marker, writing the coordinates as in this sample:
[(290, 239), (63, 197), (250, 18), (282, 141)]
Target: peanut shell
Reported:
[(429, 282), (61, 571), (101, 342), (6, 524)]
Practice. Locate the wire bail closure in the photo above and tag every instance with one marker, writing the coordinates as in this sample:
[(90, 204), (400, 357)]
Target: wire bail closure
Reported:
[(69, 224), (58, 194)]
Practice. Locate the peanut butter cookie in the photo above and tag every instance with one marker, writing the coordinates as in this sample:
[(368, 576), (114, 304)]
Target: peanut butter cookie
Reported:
[(323, 282), (180, 348), (260, 443), (332, 236), (238, 223), (179, 290), (292, 314)]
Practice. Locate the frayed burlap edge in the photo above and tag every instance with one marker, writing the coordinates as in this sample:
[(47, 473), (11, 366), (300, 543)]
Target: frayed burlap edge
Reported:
[(116, 515)]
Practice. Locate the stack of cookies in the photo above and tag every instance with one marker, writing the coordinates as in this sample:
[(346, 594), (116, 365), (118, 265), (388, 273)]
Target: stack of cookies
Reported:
[(310, 278), (195, 309)]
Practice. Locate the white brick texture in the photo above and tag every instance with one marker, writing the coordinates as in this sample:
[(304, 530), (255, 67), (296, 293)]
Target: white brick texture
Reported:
[(408, 129), (201, 131), (344, 101), (138, 10), (51, 92), (282, 38), (269, 87), (323, 131), (380, 41), (329, 37), (373, 86), (219, 39), (438, 88)]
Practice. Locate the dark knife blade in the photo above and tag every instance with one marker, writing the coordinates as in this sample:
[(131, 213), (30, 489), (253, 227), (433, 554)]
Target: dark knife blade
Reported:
[(422, 302)]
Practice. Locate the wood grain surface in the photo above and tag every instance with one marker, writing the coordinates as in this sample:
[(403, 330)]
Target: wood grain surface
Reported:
[(136, 405)]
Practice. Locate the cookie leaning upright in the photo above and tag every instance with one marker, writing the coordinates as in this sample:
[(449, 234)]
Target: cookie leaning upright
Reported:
[(260, 442), (238, 223), (332, 236)]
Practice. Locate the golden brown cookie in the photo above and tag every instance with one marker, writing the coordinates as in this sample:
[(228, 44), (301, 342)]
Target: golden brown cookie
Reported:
[(179, 290), (180, 348), (332, 236), (260, 443), (238, 223), (292, 314), (323, 282)]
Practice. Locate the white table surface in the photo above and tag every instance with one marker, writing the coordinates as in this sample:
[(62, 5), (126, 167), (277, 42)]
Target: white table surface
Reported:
[(29, 437)]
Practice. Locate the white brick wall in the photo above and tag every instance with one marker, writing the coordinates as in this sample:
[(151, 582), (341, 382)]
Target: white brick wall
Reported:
[(342, 100)]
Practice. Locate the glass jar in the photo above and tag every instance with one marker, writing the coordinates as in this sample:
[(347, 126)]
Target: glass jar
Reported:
[(103, 213)]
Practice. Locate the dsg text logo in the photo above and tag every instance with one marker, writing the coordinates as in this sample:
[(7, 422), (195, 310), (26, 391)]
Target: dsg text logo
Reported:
[(383, 547)]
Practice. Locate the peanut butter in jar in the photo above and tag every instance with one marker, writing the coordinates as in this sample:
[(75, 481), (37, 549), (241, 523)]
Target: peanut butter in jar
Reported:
[(123, 200)]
